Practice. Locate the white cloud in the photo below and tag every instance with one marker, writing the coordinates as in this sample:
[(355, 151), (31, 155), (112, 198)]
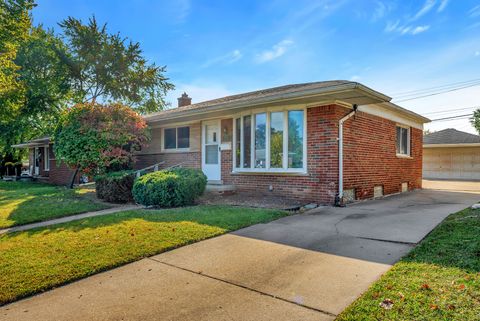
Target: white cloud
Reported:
[(477, 53), (419, 29), (228, 58), (277, 51), (442, 6), (427, 6), (405, 29), (381, 9), (355, 78), (474, 12), (392, 26)]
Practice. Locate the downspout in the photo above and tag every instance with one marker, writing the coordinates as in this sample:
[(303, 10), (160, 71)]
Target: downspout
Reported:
[(339, 197)]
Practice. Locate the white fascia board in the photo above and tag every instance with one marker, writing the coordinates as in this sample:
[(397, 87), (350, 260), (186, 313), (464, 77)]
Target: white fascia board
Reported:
[(398, 116), (451, 145)]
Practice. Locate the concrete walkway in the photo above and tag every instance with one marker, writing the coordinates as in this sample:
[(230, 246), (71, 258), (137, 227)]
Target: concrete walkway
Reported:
[(301, 267), (70, 218)]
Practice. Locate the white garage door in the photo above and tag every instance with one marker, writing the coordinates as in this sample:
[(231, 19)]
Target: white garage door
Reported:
[(452, 163)]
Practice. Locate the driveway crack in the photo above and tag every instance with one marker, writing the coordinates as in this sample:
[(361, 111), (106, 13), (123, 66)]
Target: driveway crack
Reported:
[(386, 241), (245, 287)]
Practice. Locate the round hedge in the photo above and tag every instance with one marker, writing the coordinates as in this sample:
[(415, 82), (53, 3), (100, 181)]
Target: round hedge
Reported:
[(169, 188), (115, 187)]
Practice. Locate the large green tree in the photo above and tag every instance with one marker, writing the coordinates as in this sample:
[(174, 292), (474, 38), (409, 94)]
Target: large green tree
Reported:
[(475, 120), (46, 89), (107, 67), (15, 23)]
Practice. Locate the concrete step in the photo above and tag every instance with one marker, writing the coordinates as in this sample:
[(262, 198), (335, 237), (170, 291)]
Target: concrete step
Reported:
[(220, 188)]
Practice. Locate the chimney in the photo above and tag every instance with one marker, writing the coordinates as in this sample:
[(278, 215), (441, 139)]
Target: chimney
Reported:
[(184, 100)]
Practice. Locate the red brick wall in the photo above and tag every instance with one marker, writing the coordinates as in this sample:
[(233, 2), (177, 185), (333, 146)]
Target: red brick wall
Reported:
[(61, 174), (188, 159), (370, 156)]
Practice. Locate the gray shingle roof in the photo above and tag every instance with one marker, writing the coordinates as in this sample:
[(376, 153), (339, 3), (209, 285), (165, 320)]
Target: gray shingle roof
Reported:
[(256, 94), (451, 136)]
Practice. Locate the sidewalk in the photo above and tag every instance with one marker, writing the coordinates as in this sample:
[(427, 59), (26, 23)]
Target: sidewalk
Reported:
[(65, 219)]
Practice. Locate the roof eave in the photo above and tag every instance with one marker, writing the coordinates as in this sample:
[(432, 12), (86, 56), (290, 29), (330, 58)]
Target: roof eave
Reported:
[(410, 113), (39, 142), (375, 97), (451, 145)]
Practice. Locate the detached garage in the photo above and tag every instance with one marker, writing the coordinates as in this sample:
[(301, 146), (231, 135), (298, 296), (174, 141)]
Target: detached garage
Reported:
[(451, 154)]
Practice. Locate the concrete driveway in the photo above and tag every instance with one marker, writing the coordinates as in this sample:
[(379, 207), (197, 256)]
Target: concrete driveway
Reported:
[(302, 267)]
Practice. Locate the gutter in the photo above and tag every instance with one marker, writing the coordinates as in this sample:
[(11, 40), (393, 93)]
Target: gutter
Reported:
[(339, 198), (306, 93), (451, 145)]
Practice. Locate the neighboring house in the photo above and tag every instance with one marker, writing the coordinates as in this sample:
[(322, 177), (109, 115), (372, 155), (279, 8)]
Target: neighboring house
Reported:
[(286, 141), (42, 163), (451, 154)]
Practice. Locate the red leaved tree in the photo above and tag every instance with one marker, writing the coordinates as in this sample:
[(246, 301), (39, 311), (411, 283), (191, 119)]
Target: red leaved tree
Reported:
[(95, 138)]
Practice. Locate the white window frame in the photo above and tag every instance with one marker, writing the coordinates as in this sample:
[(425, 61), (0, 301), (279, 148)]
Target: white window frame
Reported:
[(409, 130), (267, 169), (46, 158), (176, 149)]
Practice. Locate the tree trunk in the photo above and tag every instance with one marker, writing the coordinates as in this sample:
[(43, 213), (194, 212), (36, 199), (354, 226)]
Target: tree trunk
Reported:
[(73, 178)]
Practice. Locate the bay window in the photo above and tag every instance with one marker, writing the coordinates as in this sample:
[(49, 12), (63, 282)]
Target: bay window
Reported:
[(272, 141)]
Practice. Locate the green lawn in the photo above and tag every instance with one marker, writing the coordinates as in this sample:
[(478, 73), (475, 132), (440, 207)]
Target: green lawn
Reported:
[(37, 260), (438, 280), (27, 202)]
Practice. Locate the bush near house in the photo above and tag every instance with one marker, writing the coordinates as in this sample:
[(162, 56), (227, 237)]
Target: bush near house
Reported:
[(115, 187), (170, 188)]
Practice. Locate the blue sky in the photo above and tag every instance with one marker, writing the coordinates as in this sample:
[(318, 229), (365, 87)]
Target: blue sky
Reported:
[(217, 48)]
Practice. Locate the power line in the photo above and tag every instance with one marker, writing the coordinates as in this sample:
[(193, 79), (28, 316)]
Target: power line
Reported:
[(455, 84), (450, 110), (437, 93), (453, 117)]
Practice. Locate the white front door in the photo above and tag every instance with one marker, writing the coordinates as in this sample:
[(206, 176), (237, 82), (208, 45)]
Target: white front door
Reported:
[(211, 162)]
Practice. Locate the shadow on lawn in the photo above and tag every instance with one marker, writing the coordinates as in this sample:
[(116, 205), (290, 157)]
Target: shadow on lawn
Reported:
[(26, 202), (224, 217)]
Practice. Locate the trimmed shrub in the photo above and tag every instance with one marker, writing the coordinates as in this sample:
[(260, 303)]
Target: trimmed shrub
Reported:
[(115, 187), (170, 188)]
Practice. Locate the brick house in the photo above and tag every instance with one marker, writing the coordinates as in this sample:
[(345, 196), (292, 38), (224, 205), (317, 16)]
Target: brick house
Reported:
[(43, 164), (287, 140)]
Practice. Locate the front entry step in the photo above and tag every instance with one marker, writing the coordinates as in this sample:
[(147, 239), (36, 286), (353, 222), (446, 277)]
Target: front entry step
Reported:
[(215, 182), (220, 188)]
